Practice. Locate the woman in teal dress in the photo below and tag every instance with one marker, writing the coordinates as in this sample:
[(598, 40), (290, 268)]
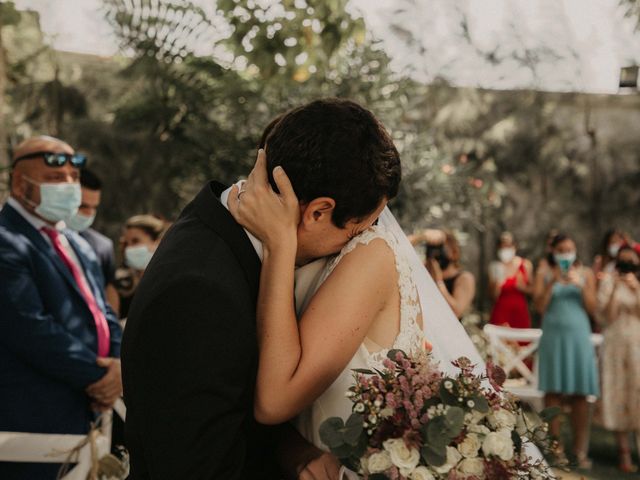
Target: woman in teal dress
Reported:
[(565, 295)]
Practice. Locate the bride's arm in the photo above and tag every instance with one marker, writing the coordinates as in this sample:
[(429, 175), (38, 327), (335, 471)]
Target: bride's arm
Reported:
[(299, 361)]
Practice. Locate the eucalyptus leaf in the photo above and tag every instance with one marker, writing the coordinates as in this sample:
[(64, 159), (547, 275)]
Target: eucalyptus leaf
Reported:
[(331, 432), (454, 421), (481, 404), (353, 429), (343, 451), (438, 432), (434, 455), (517, 441)]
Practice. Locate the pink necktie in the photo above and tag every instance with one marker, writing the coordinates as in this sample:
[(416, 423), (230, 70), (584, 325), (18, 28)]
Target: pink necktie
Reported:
[(98, 316)]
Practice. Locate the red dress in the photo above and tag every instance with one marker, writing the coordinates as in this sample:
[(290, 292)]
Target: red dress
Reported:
[(511, 307)]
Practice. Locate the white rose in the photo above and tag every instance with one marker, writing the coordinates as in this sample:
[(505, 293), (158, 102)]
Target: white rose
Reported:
[(379, 462), (479, 429), (472, 466), (470, 445), (474, 417), (502, 419), (453, 457), (498, 444), (422, 473), (406, 459)]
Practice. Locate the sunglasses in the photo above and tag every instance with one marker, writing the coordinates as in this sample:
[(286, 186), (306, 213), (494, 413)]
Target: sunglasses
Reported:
[(53, 159)]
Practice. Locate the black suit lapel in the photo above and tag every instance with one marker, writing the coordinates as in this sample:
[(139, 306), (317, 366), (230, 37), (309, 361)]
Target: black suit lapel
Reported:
[(209, 209)]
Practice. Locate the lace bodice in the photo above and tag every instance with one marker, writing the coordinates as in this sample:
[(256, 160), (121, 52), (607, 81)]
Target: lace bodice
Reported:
[(333, 402), (410, 337)]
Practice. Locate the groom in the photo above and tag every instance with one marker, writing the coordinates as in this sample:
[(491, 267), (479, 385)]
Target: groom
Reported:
[(189, 355)]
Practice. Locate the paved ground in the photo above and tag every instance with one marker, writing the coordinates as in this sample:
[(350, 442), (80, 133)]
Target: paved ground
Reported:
[(604, 454)]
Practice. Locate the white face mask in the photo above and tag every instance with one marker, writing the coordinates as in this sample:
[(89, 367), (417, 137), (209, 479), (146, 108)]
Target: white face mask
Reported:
[(613, 250), (80, 222), (137, 257), (506, 254), (58, 201)]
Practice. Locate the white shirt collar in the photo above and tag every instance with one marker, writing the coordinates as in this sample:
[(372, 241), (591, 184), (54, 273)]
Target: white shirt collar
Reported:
[(257, 244), (35, 221), (307, 277)]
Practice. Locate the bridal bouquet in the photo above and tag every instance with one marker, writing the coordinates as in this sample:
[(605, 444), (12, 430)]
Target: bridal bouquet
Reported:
[(411, 421)]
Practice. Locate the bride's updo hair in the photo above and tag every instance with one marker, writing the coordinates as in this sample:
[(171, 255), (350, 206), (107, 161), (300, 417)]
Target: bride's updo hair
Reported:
[(335, 148)]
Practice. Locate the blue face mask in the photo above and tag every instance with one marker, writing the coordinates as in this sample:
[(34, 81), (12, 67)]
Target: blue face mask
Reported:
[(565, 260), (58, 201), (137, 257), (80, 222)]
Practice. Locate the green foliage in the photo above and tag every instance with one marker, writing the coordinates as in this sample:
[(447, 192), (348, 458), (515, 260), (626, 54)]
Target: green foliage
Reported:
[(8, 14), (347, 441)]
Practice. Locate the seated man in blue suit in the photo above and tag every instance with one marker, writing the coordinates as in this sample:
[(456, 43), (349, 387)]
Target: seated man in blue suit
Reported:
[(59, 340)]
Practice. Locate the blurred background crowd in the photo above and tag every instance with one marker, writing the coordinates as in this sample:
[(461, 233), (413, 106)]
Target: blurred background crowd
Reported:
[(521, 197)]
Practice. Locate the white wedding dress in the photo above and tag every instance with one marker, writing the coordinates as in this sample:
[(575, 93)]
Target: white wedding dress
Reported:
[(419, 298), (333, 402)]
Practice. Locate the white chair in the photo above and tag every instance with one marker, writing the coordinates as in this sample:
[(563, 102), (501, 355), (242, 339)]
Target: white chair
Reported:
[(56, 448), (506, 351)]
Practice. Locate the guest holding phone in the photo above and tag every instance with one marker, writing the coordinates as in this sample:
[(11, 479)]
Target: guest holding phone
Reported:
[(565, 295), (442, 250), (619, 313)]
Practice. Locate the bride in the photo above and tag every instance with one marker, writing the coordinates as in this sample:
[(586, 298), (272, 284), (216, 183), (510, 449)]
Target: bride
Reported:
[(373, 296)]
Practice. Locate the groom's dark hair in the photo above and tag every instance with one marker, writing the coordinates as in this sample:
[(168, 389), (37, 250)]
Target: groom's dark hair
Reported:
[(335, 148)]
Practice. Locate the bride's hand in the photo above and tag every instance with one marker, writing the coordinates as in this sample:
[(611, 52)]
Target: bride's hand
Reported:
[(272, 217)]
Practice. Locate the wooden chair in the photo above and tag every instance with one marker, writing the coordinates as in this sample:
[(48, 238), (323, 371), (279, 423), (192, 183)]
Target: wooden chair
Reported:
[(510, 348)]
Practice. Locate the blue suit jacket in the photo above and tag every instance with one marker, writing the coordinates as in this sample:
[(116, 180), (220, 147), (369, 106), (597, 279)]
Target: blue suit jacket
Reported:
[(48, 339)]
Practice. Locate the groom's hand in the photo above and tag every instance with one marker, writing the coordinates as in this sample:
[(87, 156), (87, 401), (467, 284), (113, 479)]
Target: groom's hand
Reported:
[(324, 467), (298, 459)]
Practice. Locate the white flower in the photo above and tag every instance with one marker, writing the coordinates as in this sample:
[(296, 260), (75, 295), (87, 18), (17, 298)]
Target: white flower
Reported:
[(448, 384), (502, 419), (386, 412), (470, 446), (473, 417), (406, 459), (498, 444), (472, 466), (453, 457), (359, 407), (422, 473), (479, 429), (379, 462)]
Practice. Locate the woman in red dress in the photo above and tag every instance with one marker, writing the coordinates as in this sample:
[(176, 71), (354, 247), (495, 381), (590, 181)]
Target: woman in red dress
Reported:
[(510, 284)]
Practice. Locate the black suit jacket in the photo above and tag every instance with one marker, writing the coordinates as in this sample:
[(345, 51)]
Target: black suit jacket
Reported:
[(189, 354), (103, 246)]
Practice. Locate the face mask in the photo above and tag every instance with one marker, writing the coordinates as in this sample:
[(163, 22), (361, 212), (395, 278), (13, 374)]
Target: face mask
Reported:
[(79, 222), (506, 254), (58, 201), (137, 257), (564, 260), (613, 250)]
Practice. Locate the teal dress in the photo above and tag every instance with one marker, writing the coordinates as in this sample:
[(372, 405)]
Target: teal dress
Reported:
[(566, 357)]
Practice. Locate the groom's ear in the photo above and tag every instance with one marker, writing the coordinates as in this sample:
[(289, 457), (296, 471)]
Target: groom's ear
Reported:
[(318, 210)]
